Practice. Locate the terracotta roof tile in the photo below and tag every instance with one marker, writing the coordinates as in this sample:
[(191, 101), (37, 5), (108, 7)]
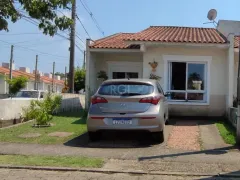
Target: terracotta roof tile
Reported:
[(17, 73), (115, 41), (236, 41), (179, 34), (161, 34)]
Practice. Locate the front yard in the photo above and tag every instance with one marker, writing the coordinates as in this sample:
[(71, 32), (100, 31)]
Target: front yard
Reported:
[(55, 161), (66, 126)]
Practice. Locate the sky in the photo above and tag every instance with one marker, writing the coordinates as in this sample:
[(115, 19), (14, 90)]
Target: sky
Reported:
[(113, 16)]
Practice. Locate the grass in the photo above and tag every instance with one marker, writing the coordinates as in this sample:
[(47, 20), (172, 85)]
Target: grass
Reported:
[(227, 132), (67, 122), (56, 161)]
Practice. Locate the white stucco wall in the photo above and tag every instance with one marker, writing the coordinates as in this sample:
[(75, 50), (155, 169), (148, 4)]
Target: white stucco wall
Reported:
[(2, 85), (10, 109), (100, 63), (218, 78), (227, 26)]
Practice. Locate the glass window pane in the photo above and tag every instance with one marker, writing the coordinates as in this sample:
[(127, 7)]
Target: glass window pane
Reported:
[(118, 75), (196, 76), (177, 96), (178, 76), (132, 75), (195, 96)]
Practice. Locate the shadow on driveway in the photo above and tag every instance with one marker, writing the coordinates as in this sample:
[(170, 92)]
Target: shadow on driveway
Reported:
[(217, 151), (115, 139)]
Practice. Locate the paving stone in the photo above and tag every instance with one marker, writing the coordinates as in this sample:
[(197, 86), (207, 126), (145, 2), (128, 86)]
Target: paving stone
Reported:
[(60, 134), (29, 135)]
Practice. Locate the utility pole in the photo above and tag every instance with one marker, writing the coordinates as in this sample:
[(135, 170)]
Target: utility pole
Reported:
[(72, 49), (65, 77), (10, 68), (84, 60), (238, 98), (36, 74), (11, 62), (53, 75)]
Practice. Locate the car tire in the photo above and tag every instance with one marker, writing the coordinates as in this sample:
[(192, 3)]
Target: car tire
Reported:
[(94, 136), (158, 136)]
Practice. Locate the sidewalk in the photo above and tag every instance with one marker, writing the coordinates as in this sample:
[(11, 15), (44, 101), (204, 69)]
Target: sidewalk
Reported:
[(154, 153)]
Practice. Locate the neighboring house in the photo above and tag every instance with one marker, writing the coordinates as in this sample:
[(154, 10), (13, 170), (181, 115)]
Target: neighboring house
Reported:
[(198, 66), (44, 84)]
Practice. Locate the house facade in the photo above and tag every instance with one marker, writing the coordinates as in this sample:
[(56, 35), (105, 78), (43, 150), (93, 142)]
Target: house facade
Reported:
[(44, 84), (197, 66)]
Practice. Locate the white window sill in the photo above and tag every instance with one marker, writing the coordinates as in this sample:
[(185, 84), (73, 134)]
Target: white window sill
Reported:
[(189, 103)]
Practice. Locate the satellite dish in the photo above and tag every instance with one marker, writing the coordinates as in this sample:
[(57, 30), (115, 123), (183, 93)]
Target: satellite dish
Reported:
[(212, 14)]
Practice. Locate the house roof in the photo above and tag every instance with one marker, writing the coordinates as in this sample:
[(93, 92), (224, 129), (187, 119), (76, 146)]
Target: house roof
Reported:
[(17, 73), (115, 41), (236, 41), (169, 34)]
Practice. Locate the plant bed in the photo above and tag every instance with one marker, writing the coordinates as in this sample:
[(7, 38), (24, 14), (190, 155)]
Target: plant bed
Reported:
[(42, 125), (227, 131)]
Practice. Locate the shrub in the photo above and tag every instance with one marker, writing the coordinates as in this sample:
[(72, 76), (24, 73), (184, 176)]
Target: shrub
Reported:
[(16, 84), (42, 111)]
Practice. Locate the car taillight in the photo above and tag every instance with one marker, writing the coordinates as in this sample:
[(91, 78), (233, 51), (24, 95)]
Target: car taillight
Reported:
[(153, 100), (98, 99)]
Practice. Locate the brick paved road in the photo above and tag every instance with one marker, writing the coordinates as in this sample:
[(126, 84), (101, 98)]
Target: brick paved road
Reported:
[(7, 174)]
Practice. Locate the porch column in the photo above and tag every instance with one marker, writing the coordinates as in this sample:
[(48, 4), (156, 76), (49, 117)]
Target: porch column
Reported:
[(230, 71), (87, 80)]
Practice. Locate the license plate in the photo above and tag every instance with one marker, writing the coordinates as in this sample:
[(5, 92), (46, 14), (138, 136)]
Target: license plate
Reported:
[(122, 121)]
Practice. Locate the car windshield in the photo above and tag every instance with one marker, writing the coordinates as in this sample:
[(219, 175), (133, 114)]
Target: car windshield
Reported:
[(27, 94), (125, 89)]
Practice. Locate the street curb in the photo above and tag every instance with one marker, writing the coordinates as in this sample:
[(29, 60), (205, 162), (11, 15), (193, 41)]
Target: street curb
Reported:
[(109, 171)]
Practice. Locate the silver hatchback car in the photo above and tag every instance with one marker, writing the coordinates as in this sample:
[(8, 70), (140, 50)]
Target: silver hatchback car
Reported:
[(128, 104)]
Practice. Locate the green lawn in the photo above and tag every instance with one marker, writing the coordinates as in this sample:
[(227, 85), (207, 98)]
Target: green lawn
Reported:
[(227, 132), (71, 122), (57, 161)]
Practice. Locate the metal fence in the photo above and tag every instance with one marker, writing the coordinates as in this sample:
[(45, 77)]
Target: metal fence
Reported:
[(72, 102), (233, 116)]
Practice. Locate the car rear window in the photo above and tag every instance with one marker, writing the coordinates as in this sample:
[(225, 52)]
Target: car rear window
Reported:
[(126, 88)]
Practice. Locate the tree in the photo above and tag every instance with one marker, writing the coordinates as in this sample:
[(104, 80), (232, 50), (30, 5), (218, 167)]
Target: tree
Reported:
[(16, 84), (79, 79), (45, 11)]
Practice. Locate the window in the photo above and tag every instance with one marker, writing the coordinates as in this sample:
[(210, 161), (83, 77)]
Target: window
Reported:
[(187, 81), (125, 88), (123, 75)]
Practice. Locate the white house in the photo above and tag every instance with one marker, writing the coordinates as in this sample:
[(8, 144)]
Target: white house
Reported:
[(45, 82), (198, 66)]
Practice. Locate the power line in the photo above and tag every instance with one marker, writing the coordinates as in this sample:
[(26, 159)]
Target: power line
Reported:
[(92, 16), (83, 26), (44, 53), (7, 34)]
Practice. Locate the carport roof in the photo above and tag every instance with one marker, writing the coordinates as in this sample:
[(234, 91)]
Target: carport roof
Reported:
[(165, 34)]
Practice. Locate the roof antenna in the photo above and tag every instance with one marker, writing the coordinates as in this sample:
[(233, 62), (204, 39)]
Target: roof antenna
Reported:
[(212, 14)]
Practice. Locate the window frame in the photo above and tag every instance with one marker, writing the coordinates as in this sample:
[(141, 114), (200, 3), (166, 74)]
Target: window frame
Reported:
[(191, 60)]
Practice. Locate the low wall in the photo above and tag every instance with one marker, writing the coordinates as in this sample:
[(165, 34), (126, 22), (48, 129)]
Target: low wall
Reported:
[(72, 102), (3, 96), (12, 109), (233, 116)]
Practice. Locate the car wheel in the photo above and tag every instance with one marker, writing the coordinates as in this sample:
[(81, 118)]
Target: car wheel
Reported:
[(158, 136), (94, 136)]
